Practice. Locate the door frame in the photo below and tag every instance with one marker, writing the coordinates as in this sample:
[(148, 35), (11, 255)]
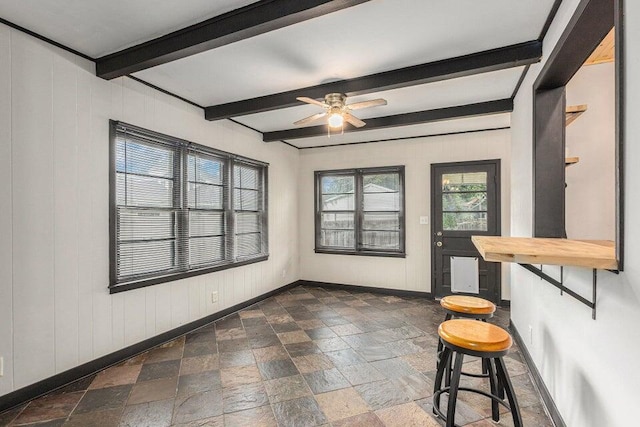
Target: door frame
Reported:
[(498, 166)]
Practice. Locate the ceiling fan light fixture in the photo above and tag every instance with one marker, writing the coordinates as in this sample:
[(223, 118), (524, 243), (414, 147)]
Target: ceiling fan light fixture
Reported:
[(336, 120)]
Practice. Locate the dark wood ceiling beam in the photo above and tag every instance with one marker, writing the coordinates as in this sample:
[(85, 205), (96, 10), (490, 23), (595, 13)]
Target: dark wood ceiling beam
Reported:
[(418, 117), (461, 66), (251, 20)]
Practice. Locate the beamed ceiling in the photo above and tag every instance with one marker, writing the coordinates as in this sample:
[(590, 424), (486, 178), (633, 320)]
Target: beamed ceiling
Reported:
[(443, 67)]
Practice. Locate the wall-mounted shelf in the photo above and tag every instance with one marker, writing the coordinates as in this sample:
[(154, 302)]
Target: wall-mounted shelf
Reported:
[(573, 112), (594, 254), (600, 254), (568, 161)]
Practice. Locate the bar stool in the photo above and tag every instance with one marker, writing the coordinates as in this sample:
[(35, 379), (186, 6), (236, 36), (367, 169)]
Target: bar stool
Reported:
[(463, 337), (465, 306)]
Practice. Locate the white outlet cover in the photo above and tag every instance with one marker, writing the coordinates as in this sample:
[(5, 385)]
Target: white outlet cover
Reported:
[(424, 220)]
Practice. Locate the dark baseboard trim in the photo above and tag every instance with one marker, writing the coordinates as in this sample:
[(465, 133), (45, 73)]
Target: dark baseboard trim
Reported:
[(505, 303), (357, 288), (547, 400), (62, 379)]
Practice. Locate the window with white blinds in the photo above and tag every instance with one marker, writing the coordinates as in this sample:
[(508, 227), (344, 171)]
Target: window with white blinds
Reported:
[(179, 209), (360, 211)]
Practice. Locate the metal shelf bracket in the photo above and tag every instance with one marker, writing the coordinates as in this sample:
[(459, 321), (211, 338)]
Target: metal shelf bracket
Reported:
[(560, 285)]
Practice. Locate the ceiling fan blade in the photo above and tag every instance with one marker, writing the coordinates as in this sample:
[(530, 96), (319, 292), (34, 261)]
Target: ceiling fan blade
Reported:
[(312, 101), (367, 104), (353, 120), (310, 119)]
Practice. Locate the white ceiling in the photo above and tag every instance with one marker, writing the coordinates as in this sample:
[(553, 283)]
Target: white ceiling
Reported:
[(375, 36), (100, 27)]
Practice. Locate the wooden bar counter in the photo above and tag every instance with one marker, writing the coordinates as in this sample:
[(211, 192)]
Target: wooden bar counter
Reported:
[(598, 254)]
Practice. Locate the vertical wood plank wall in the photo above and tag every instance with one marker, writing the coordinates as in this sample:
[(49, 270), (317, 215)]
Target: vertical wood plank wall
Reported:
[(412, 273), (55, 309)]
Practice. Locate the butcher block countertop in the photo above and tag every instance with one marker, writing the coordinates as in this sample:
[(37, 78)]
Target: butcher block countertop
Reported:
[(600, 254)]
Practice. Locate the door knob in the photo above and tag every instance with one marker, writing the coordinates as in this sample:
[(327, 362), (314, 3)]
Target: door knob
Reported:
[(439, 244), (439, 233)]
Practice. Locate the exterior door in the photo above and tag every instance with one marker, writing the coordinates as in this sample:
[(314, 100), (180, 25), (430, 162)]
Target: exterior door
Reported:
[(465, 202)]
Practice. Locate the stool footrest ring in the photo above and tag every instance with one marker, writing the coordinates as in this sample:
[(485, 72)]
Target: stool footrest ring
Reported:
[(438, 412)]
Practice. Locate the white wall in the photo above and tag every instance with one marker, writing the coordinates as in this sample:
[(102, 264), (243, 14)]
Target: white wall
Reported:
[(590, 196), (413, 272), (589, 366), (55, 309)]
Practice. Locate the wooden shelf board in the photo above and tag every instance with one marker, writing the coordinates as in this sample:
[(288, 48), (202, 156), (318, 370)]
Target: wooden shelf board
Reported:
[(600, 254), (573, 112), (568, 161), (605, 52)]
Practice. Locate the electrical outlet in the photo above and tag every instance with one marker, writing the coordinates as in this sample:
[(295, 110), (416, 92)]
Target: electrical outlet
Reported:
[(284, 273), (214, 297), (530, 334), (1, 366), (424, 220)]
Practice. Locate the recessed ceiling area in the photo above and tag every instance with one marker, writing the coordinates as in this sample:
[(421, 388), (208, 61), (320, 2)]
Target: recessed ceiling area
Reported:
[(420, 56)]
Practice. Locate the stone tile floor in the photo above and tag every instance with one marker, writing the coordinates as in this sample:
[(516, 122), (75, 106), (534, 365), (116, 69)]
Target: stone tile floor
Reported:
[(306, 357)]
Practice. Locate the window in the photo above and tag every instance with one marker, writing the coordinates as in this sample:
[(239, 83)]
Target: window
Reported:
[(180, 209), (360, 211), (464, 201)]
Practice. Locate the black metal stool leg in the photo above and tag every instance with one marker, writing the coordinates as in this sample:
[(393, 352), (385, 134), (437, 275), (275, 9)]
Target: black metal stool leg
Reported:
[(453, 391), (448, 371), (446, 354), (508, 389), (500, 388), (495, 413), (448, 316), (485, 370)]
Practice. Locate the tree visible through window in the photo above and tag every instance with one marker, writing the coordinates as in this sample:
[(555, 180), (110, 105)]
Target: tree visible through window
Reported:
[(464, 201)]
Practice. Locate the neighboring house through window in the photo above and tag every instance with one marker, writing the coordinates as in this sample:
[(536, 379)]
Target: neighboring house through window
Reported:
[(360, 211), (180, 209)]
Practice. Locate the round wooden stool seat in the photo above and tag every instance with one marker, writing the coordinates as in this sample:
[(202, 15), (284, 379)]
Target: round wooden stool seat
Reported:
[(470, 337), (474, 335), (467, 305)]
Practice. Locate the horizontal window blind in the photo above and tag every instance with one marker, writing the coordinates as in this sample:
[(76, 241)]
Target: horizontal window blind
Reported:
[(248, 207), (179, 207), (360, 211)]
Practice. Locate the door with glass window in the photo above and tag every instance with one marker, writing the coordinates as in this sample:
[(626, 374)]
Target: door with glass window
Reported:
[(465, 200)]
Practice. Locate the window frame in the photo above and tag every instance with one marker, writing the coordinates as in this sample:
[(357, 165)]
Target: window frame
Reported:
[(358, 174), (182, 149)]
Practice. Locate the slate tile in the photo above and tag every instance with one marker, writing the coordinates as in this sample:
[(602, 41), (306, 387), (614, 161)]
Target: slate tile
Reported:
[(198, 383), (49, 407), (152, 414), (286, 388), (298, 412), (197, 407), (104, 398), (277, 369), (156, 371), (326, 380), (243, 397)]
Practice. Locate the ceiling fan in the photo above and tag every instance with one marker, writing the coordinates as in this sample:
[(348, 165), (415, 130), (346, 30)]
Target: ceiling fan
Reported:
[(337, 110)]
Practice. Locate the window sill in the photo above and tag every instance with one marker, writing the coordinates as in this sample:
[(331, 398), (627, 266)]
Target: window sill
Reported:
[(362, 253), (127, 286)]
